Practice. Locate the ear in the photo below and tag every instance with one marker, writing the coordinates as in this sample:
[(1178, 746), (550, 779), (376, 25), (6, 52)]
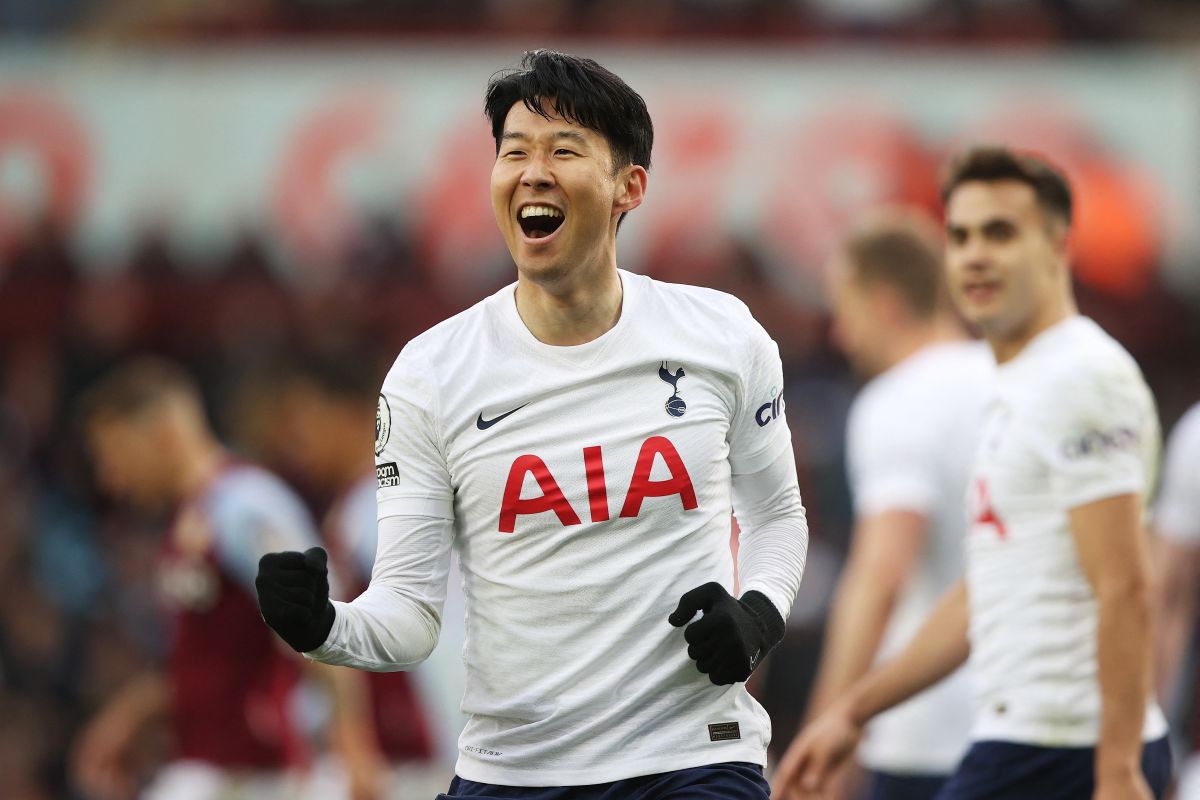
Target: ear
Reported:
[(886, 304), (1060, 239), (631, 189)]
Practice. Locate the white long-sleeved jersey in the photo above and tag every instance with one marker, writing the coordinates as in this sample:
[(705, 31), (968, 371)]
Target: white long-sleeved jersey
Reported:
[(585, 489)]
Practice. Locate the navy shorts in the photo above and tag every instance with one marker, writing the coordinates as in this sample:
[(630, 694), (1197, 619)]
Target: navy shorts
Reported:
[(732, 781), (894, 786), (1008, 771)]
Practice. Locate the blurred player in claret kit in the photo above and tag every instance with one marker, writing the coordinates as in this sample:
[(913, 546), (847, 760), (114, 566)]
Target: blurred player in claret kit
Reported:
[(1177, 525), (328, 406), (1054, 610), (227, 685), (579, 439), (910, 437)]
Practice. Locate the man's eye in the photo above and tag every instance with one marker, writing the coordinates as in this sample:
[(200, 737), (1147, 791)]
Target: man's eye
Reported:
[(562, 151), (512, 153)]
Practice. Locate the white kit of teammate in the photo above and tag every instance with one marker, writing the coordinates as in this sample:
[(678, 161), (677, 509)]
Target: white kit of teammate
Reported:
[(898, 456), (585, 489), (1074, 422), (1177, 523), (1177, 512)]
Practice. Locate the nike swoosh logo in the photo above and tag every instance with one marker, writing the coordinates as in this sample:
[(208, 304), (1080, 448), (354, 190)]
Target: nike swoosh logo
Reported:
[(484, 424)]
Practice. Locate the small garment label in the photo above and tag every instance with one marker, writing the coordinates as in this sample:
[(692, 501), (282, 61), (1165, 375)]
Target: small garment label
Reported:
[(724, 731)]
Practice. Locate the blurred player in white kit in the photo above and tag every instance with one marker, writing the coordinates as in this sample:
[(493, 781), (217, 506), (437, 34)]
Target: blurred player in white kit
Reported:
[(910, 437), (580, 439), (1177, 525), (1054, 610)]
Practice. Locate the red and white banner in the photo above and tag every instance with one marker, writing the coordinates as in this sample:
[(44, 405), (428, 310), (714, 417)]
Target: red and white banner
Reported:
[(775, 150)]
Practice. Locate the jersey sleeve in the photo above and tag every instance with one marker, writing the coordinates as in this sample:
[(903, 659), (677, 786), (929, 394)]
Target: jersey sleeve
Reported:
[(410, 466), (758, 432), (395, 623), (774, 531), (890, 463), (1177, 511), (255, 514), (1096, 433)]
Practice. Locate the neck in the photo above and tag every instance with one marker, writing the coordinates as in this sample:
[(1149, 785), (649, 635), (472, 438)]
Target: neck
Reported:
[(352, 463), (569, 312), (1009, 347), (905, 342), (203, 461)]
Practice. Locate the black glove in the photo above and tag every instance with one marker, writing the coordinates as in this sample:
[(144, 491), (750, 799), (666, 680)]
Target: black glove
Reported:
[(293, 596), (733, 636)]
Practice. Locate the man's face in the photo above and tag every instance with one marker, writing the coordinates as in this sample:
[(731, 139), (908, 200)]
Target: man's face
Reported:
[(131, 461), (306, 413), (1004, 258), (856, 325), (554, 194)]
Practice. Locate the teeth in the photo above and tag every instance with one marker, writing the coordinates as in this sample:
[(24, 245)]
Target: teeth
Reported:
[(540, 211)]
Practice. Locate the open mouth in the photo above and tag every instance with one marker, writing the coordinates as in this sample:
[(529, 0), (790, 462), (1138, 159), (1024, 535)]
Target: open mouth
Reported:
[(540, 221), (981, 291)]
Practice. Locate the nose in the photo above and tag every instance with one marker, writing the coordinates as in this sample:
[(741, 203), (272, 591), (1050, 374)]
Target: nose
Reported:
[(973, 253), (537, 173)]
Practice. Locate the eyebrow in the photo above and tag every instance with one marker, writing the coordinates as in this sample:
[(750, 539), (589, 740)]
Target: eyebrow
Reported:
[(574, 136), (990, 222)]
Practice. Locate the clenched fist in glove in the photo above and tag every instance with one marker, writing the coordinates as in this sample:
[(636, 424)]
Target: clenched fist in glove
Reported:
[(733, 636), (293, 596)]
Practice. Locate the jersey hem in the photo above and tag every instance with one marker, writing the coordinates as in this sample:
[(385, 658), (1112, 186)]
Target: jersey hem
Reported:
[(478, 772), (878, 756), (1097, 492), (1050, 735)]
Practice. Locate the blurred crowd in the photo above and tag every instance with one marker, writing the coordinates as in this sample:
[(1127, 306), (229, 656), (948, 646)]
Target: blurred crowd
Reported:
[(930, 20), (77, 615)]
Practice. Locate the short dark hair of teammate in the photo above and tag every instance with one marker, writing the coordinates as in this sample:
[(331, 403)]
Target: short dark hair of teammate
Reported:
[(144, 425), (135, 387), (576, 89), (903, 250), (992, 163), (327, 403), (336, 374)]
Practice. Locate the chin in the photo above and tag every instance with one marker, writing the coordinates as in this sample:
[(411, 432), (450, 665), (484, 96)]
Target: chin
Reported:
[(542, 272)]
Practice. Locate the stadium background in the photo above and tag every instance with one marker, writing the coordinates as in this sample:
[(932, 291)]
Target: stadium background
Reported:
[(232, 183)]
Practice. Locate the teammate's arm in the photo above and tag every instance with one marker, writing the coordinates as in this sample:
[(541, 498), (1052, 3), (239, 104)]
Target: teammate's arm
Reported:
[(939, 648), (100, 759), (1178, 585), (884, 548), (1108, 539), (352, 731)]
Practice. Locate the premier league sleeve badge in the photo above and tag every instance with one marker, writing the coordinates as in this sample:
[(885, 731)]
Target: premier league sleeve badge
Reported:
[(383, 424)]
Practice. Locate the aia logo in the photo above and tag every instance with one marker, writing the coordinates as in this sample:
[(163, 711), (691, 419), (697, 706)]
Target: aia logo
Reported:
[(553, 499), (982, 512), (674, 405)]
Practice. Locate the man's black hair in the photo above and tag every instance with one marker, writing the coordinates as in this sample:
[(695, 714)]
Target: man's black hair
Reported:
[(579, 90), (991, 163), (335, 374)]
